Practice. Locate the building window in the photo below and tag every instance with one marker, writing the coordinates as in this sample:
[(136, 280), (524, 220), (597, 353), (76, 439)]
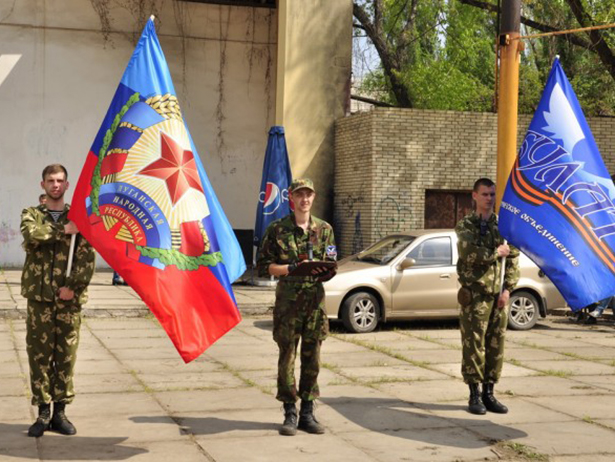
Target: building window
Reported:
[(443, 208)]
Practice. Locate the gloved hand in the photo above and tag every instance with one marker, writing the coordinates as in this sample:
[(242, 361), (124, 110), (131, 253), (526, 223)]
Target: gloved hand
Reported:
[(327, 275)]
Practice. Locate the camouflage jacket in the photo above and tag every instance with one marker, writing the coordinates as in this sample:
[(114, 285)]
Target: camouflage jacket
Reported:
[(284, 242), (47, 248), (479, 266)]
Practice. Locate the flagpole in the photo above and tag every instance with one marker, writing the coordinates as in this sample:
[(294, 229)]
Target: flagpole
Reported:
[(71, 252), (508, 94), (508, 100)]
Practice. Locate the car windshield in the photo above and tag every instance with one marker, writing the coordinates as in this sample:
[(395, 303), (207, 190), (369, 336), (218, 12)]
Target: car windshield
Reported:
[(385, 250)]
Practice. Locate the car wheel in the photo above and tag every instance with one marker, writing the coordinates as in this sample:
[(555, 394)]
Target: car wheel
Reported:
[(523, 313), (360, 312)]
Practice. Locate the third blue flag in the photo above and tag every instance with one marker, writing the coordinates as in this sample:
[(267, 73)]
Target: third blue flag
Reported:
[(559, 203)]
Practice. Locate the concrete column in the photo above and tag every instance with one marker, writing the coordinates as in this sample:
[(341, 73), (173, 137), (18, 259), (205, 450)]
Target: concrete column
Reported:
[(313, 71)]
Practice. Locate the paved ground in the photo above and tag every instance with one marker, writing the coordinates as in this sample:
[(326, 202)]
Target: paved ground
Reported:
[(391, 395), (106, 300)]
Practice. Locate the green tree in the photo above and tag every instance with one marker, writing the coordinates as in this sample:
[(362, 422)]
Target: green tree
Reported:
[(434, 54), (440, 54)]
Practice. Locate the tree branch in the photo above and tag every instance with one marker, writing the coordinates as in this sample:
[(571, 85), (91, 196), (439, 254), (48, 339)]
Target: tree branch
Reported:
[(404, 35), (375, 102), (390, 65), (574, 39), (378, 16), (601, 47)]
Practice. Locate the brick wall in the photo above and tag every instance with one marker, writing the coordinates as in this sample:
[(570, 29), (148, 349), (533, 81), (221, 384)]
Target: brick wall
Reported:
[(386, 159)]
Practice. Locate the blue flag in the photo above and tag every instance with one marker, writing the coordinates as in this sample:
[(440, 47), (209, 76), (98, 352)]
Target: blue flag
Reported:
[(559, 203), (273, 202), (144, 201)]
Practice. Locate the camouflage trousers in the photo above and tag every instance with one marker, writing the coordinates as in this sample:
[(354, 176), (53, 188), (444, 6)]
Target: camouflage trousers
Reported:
[(299, 315), (483, 329), (52, 338)]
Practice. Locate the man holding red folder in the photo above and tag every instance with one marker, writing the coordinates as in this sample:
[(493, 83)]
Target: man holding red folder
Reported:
[(290, 250)]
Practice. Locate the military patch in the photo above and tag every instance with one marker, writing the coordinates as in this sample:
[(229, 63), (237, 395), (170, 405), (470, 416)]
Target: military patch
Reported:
[(332, 252)]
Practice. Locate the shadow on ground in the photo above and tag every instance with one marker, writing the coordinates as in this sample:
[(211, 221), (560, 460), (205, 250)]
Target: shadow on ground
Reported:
[(208, 425), (410, 421), (14, 442), (264, 324)]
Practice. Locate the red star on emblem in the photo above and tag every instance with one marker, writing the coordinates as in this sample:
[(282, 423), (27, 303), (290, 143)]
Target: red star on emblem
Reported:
[(176, 167)]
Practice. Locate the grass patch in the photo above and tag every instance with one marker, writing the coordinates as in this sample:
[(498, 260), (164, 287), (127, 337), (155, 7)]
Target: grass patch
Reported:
[(518, 451), (590, 420), (338, 370), (553, 350), (332, 367), (575, 356), (389, 352), (429, 339), (557, 373), (337, 383), (382, 380), (146, 388), (515, 362), (529, 344), (249, 382), (379, 364)]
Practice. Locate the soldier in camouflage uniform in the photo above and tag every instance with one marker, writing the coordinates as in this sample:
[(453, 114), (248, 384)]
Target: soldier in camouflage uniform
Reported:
[(299, 312), (484, 313), (54, 301)]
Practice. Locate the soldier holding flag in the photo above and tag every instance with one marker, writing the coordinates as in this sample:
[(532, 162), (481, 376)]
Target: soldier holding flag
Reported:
[(483, 302), (54, 301)]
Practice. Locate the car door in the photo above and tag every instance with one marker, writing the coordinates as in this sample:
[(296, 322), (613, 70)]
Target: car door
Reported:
[(429, 287)]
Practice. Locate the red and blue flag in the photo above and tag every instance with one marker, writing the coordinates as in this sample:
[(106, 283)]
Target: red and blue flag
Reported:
[(273, 202), (145, 203), (559, 203)]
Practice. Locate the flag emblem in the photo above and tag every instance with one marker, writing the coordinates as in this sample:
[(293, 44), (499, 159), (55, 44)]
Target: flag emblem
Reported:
[(149, 194)]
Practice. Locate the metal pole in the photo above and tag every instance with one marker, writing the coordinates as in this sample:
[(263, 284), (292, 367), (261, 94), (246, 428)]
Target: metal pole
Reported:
[(508, 95), (508, 100), (71, 252)]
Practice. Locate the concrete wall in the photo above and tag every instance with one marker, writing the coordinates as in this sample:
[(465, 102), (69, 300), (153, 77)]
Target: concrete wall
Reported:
[(222, 61), (314, 64), (387, 158)]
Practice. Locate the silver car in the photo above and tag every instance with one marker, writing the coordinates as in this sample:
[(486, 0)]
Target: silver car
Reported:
[(413, 276)]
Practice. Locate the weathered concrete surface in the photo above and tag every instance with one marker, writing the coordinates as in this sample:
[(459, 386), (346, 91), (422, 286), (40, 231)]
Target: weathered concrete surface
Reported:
[(136, 400)]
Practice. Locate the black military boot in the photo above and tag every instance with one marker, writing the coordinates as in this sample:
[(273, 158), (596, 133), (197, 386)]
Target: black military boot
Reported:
[(492, 404), (289, 427), (475, 406), (42, 422), (307, 421), (59, 421)]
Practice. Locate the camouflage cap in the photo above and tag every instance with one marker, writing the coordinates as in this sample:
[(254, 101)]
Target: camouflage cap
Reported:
[(301, 183)]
